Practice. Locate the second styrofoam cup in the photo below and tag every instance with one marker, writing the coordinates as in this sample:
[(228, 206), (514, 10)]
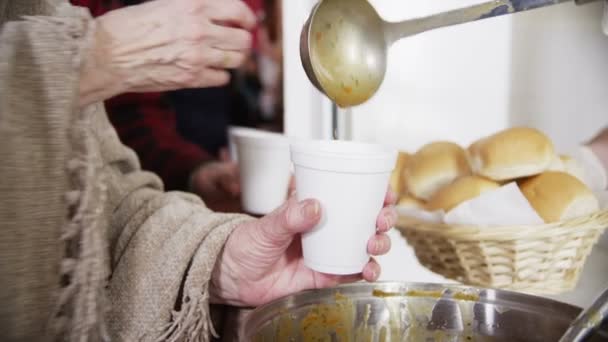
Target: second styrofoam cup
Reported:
[(350, 181), (233, 131), (264, 167)]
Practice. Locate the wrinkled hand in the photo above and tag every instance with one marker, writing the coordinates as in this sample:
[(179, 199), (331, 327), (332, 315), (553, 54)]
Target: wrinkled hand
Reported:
[(262, 259), (218, 185), (166, 44)]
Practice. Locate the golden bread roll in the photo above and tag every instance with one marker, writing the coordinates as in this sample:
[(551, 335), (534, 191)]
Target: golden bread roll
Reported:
[(433, 166), (460, 190), (409, 202), (396, 181), (558, 196), (406, 158), (512, 153)]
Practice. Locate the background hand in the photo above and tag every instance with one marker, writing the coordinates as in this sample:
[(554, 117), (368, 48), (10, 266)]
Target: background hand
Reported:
[(218, 185), (164, 45)]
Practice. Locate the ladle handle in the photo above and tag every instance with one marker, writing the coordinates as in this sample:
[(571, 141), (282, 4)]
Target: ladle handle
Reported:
[(396, 31), (589, 321)]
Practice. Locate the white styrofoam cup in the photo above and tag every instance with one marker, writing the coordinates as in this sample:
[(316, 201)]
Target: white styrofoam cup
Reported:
[(350, 181), (232, 132), (264, 167)]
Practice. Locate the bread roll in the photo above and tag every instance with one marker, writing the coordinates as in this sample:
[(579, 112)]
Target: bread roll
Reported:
[(405, 159), (397, 178), (558, 196), (512, 153), (409, 202), (460, 190), (433, 166)]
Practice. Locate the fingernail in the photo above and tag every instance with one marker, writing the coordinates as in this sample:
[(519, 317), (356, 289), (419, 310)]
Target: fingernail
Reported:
[(374, 274), (379, 245), (387, 222), (310, 209), (390, 219)]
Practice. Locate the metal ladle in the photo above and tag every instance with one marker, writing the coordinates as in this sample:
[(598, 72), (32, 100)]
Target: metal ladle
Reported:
[(344, 43)]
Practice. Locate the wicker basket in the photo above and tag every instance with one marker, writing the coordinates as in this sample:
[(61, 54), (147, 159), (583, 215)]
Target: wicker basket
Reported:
[(543, 259)]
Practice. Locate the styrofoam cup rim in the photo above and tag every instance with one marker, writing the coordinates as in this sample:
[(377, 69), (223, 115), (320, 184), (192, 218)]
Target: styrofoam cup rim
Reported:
[(340, 149), (253, 137)]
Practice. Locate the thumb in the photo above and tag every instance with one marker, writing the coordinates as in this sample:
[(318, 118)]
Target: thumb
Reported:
[(279, 227)]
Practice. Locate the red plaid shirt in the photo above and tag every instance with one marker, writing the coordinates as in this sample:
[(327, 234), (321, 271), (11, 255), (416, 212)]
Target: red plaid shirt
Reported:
[(146, 123)]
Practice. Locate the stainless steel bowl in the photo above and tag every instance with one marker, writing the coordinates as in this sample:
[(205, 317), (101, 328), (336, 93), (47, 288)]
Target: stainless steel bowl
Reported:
[(410, 312)]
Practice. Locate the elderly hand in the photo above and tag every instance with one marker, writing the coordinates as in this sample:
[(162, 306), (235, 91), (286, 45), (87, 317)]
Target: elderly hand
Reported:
[(262, 259), (164, 45)]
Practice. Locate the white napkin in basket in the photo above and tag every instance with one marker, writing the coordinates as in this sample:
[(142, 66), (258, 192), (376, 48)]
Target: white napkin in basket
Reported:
[(505, 206), (594, 173)]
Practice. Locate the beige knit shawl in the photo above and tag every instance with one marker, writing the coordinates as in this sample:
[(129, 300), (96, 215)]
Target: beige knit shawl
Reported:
[(90, 246)]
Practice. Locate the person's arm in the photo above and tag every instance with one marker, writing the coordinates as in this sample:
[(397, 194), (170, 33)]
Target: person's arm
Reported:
[(142, 49), (162, 246), (67, 181)]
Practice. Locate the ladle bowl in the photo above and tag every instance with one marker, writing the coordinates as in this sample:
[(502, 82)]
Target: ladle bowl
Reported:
[(344, 43)]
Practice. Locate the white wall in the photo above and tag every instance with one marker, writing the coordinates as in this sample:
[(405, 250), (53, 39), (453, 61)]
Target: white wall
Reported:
[(307, 114), (560, 72)]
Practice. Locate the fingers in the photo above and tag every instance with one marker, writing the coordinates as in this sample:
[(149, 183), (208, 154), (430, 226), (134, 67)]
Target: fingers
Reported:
[(229, 181), (233, 12), (223, 59), (302, 216), (371, 272), (230, 185), (379, 244), (213, 77), (391, 197), (387, 219), (229, 38)]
